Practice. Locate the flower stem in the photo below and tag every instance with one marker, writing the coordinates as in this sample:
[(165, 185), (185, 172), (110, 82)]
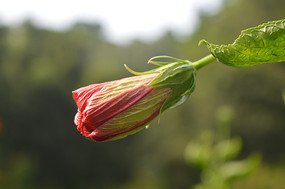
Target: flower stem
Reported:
[(204, 61)]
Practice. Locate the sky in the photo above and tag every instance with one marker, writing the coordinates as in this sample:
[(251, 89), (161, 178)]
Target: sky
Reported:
[(122, 20)]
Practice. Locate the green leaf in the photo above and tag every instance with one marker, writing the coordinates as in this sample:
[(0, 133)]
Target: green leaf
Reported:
[(200, 151), (258, 45), (237, 169), (228, 149)]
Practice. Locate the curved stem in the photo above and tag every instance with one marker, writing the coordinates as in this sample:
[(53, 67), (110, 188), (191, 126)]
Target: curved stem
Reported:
[(204, 61)]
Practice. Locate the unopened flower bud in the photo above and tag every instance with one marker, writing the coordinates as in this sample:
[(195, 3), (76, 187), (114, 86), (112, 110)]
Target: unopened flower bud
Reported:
[(115, 109)]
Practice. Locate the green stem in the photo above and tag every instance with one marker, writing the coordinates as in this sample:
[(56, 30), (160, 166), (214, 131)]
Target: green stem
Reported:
[(204, 61)]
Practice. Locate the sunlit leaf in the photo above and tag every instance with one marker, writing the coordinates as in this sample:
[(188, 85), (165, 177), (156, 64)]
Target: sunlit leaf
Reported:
[(258, 45)]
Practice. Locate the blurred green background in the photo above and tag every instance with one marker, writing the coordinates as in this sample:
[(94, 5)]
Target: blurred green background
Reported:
[(41, 148)]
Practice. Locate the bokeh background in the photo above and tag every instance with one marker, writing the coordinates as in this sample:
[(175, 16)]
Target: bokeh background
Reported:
[(39, 67)]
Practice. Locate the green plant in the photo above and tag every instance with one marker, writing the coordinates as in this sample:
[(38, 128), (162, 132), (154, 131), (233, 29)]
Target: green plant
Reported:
[(214, 154), (102, 107), (258, 45)]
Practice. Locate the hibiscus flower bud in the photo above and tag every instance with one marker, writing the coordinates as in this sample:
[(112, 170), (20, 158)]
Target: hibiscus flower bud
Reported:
[(115, 109)]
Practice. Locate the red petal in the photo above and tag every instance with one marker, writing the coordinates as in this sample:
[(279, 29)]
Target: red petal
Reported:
[(96, 114), (78, 118), (82, 95), (99, 136)]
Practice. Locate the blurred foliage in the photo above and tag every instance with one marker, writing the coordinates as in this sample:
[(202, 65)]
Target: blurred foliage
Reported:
[(213, 154), (41, 148)]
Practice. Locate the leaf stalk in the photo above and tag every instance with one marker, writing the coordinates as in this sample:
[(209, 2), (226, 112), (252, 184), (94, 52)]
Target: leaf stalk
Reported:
[(204, 61)]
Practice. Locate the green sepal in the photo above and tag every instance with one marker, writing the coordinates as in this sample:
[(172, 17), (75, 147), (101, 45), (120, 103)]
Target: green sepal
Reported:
[(158, 63), (190, 90), (179, 75), (175, 74), (179, 92), (141, 73)]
